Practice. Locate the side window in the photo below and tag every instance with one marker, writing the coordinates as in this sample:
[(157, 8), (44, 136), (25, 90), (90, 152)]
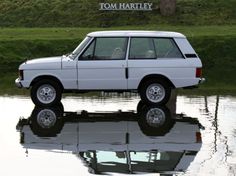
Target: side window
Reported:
[(106, 48), (166, 48), (142, 48), (88, 54)]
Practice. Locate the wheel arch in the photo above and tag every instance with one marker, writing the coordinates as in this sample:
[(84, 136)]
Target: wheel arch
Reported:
[(48, 77), (155, 76)]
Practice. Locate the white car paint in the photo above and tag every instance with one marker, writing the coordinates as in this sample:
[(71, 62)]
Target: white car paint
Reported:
[(109, 138), (74, 73)]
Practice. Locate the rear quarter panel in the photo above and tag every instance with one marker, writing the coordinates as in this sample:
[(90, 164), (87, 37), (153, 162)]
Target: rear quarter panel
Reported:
[(180, 71)]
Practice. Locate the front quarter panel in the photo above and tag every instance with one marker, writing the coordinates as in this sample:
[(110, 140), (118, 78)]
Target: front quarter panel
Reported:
[(65, 72)]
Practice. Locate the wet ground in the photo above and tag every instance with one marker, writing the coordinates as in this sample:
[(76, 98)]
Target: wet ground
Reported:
[(118, 135)]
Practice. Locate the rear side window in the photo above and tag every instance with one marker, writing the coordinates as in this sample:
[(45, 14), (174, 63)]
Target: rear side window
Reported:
[(142, 48), (166, 48), (152, 48)]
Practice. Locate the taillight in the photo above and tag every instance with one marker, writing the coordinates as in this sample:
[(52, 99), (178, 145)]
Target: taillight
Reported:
[(198, 137), (21, 74), (198, 72)]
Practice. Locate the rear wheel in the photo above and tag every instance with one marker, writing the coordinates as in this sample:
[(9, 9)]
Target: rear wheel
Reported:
[(46, 93), (155, 120), (155, 92)]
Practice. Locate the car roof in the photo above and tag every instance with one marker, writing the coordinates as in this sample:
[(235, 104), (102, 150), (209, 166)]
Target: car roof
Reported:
[(136, 34)]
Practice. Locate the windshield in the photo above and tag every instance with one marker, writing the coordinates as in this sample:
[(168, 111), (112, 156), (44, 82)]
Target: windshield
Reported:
[(80, 47)]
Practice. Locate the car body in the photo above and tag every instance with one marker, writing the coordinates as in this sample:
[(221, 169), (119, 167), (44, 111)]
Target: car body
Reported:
[(148, 62)]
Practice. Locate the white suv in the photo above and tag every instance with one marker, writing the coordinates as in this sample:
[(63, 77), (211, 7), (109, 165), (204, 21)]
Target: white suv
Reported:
[(149, 62)]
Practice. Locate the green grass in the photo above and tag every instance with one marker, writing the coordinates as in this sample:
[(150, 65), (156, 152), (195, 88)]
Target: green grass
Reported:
[(209, 25), (9, 34), (7, 87), (214, 44), (86, 13)]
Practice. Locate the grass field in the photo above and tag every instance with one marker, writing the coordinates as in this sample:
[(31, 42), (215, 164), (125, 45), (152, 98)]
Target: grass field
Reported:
[(18, 44), (39, 28), (9, 34), (86, 13), (214, 44)]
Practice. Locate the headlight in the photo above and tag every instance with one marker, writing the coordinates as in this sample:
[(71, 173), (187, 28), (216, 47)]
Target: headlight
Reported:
[(21, 74)]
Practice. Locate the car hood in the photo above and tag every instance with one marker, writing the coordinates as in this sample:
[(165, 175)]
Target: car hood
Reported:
[(43, 63)]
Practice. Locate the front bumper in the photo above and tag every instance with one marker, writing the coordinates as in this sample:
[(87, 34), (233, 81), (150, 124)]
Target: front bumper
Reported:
[(18, 83)]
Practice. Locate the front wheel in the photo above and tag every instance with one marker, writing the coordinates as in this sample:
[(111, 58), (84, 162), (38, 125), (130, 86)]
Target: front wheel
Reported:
[(155, 92), (46, 93)]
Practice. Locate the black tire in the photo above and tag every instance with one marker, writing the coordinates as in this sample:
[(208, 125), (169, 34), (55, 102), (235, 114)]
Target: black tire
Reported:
[(46, 89), (155, 120), (47, 122), (159, 96)]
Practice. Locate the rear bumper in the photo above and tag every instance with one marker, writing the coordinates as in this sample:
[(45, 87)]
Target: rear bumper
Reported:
[(202, 80), (18, 83)]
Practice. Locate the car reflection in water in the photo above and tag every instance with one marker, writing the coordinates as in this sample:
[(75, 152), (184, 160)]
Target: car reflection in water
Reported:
[(149, 140)]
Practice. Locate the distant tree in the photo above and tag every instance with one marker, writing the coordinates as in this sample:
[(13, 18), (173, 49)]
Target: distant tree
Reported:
[(167, 7)]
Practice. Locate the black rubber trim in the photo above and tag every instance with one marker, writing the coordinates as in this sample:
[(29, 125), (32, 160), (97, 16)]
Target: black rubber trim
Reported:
[(190, 55), (126, 73)]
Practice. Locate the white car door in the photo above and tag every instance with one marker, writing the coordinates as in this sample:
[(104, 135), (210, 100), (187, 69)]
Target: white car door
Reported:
[(102, 65)]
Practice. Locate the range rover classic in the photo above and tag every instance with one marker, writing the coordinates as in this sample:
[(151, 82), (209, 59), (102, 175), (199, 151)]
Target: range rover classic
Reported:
[(151, 63)]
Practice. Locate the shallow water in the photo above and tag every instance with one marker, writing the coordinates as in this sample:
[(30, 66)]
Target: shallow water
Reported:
[(117, 135)]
